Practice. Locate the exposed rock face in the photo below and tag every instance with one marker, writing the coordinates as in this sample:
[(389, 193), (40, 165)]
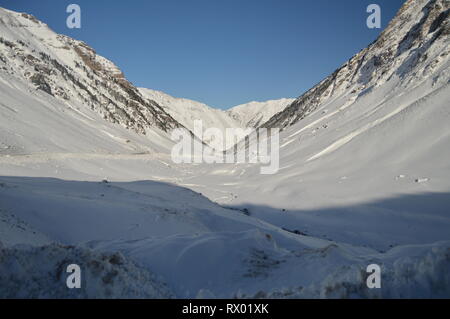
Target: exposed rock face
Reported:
[(40, 81), (402, 50), (71, 70)]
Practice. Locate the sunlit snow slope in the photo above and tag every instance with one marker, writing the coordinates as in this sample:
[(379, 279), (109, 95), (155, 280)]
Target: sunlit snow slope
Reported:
[(58, 95), (185, 111), (366, 152), (254, 114)]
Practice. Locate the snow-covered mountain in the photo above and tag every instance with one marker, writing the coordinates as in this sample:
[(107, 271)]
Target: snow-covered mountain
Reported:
[(88, 91), (364, 178), (254, 114), (57, 93), (373, 138), (411, 49), (186, 111)]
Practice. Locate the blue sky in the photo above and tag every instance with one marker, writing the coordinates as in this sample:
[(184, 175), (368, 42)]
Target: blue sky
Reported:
[(220, 52)]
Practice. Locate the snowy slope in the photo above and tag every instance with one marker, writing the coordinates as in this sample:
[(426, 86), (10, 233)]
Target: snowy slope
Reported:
[(58, 94), (356, 164), (186, 111), (33, 122), (187, 247), (254, 114), (411, 48)]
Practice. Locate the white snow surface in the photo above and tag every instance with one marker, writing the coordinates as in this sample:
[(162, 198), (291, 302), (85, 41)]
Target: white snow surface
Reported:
[(185, 111), (255, 114), (364, 178)]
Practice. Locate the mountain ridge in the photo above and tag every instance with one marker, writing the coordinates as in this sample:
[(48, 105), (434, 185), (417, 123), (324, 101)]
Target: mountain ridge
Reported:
[(380, 61), (50, 60)]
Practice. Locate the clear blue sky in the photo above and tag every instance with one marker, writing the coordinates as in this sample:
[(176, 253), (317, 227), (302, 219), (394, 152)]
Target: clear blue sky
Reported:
[(220, 52)]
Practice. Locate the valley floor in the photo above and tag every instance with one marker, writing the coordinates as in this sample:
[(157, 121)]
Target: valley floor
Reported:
[(188, 231)]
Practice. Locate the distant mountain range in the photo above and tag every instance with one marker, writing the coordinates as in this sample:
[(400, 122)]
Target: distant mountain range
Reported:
[(71, 74)]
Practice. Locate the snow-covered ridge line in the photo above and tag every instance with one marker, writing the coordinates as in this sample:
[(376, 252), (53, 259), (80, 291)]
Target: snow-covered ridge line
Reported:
[(186, 111), (406, 44), (72, 72), (254, 114)]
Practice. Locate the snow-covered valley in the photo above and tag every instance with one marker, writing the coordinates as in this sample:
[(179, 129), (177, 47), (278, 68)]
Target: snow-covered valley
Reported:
[(86, 177)]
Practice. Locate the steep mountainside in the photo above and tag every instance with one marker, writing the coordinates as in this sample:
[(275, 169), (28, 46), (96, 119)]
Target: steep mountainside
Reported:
[(254, 114), (186, 111), (411, 48), (48, 68), (354, 164)]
